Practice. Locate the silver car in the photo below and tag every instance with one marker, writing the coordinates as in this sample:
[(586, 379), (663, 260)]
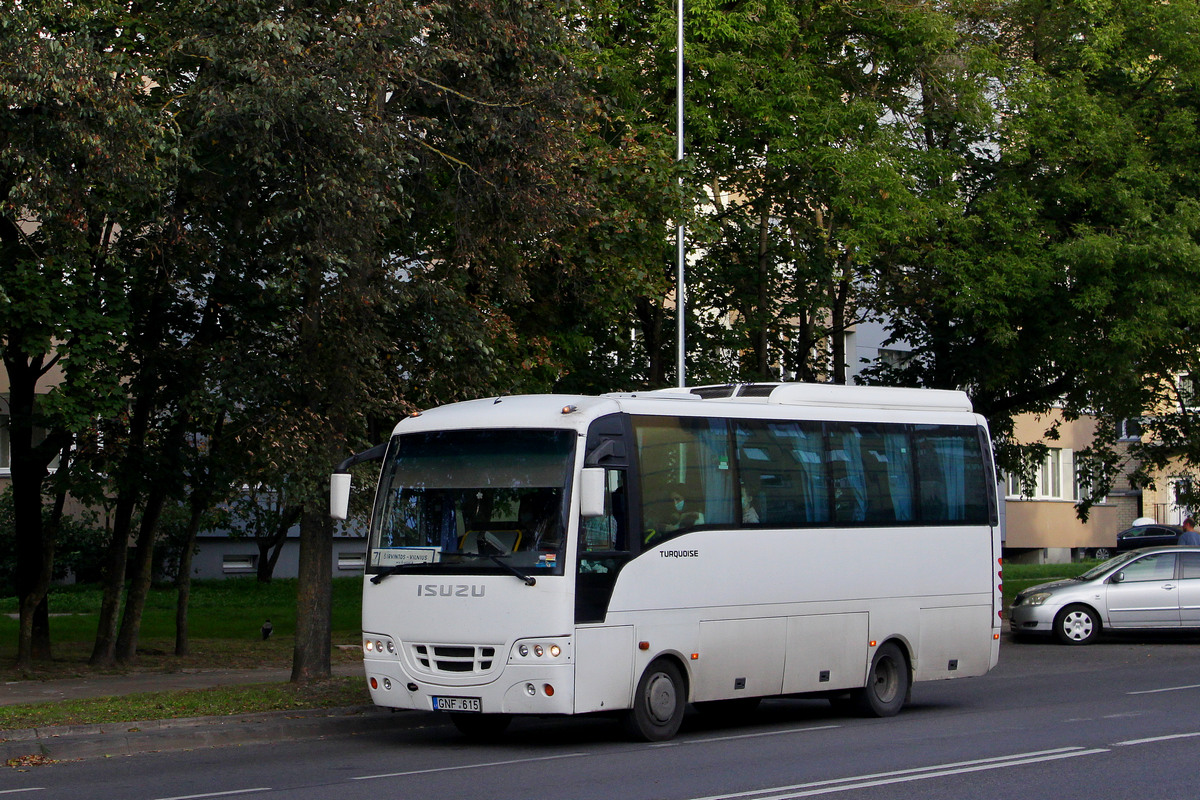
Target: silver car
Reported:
[(1154, 587)]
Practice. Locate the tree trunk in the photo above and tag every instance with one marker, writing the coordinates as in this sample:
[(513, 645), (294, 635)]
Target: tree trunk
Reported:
[(34, 543), (104, 650), (314, 597), (183, 579), (271, 546), (140, 581)]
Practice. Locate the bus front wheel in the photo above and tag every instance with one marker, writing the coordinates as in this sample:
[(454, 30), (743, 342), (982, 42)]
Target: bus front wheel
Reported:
[(658, 703), (888, 683)]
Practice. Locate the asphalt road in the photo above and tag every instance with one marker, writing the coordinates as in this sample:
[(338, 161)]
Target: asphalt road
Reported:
[(1120, 719)]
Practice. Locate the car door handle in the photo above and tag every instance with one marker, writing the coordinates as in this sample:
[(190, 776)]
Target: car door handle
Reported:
[(1168, 586)]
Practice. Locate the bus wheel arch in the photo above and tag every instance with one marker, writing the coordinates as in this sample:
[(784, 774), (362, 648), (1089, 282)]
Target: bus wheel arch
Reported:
[(889, 681), (659, 701)]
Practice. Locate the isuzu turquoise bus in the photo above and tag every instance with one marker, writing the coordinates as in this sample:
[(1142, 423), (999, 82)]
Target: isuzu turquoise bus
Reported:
[(633, 553)]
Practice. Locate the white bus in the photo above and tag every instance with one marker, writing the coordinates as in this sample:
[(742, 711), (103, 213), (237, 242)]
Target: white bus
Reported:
[(634, 553)]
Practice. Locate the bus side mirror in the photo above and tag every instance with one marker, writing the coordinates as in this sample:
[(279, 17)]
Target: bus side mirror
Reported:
[(591, 492), (339, 495)]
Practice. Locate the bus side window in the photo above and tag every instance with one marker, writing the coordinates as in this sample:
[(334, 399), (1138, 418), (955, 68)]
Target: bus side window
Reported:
[(609, 532), (686, 475)]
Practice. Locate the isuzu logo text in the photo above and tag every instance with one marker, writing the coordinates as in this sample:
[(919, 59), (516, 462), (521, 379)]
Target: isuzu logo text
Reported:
[(450, 590)]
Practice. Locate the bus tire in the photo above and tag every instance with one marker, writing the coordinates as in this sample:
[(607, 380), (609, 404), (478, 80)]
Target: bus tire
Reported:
[(480, 727), (658, 703), (888, 683)]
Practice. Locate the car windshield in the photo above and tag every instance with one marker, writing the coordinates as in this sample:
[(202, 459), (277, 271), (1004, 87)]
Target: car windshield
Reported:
[(464, 500), (1100, 569)]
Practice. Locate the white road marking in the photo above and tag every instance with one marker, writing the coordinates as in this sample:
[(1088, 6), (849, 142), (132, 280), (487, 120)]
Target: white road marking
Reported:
[(906, 775), (217, 794), (26, 789), (1153, 739), (745, 736), (1168, 689), (466, 766)]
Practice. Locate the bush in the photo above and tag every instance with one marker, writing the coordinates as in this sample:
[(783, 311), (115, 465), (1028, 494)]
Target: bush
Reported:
[(79, 551)]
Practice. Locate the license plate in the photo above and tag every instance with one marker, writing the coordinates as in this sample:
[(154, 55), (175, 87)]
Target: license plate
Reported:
[(457, 704)]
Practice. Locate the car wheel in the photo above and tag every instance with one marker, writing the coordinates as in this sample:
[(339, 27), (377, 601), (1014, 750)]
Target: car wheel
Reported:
[(888, 683), (1076, 625), (480, 727), (1102, 553), (658, 703)]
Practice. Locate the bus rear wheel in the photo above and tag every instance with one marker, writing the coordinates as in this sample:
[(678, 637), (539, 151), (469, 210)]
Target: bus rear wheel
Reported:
[(658, 703), (888, 683)]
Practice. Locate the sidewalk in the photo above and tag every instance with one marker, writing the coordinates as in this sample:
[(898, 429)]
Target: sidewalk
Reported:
[(68, 742)]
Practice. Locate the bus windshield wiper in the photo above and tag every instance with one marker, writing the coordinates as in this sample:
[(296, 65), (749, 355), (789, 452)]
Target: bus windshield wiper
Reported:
[(392, 570), (509, 568)]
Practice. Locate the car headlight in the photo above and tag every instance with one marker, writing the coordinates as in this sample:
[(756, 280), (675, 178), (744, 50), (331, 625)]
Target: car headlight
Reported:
[(1038, 599)]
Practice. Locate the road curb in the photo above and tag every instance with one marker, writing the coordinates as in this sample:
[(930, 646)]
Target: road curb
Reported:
[(76, 742)]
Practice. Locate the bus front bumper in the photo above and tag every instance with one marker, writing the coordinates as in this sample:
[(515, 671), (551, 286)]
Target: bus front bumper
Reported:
[(515, 689)]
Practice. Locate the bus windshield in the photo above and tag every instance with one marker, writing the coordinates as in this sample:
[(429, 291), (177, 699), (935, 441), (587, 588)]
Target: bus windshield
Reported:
[(473, 500)]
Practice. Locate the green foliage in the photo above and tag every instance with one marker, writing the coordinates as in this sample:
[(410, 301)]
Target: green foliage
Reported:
[(80, 546)]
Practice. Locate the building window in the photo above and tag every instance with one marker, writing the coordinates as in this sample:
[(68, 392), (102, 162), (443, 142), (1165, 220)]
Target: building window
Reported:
[(1130, 429), (1054, 479), (352, 561), (1187, 391), (5, 462), (237, 563)]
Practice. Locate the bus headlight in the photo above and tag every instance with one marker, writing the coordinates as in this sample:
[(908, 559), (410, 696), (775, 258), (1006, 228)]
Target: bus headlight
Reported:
[(376, 645), (532, 651)]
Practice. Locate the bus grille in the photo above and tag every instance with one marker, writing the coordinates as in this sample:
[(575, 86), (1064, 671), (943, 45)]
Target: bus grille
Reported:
[(445, 659)]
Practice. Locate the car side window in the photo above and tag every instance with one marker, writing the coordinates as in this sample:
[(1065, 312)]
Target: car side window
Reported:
[(1191, 565), (1157, 567)]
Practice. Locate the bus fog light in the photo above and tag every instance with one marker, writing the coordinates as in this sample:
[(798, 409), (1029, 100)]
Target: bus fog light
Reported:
[(537, 650), (530, 690), (523, 650), (378, 646), (387, 684), (391, 647)]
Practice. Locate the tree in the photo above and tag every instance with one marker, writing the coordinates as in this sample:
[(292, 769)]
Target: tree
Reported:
[(1064, 276), (82, 151)]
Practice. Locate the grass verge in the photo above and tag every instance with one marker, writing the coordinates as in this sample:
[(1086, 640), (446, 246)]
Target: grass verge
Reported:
[(334, 693)]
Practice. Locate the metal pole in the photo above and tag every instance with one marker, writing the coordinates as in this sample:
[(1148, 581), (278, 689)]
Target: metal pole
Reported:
[(680, 247)]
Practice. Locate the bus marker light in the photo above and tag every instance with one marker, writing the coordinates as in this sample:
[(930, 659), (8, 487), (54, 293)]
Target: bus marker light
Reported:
[(555, 650), (549, 690), (643, 645), (695, 656), (874, 643), (995, 636), (374, 683)]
